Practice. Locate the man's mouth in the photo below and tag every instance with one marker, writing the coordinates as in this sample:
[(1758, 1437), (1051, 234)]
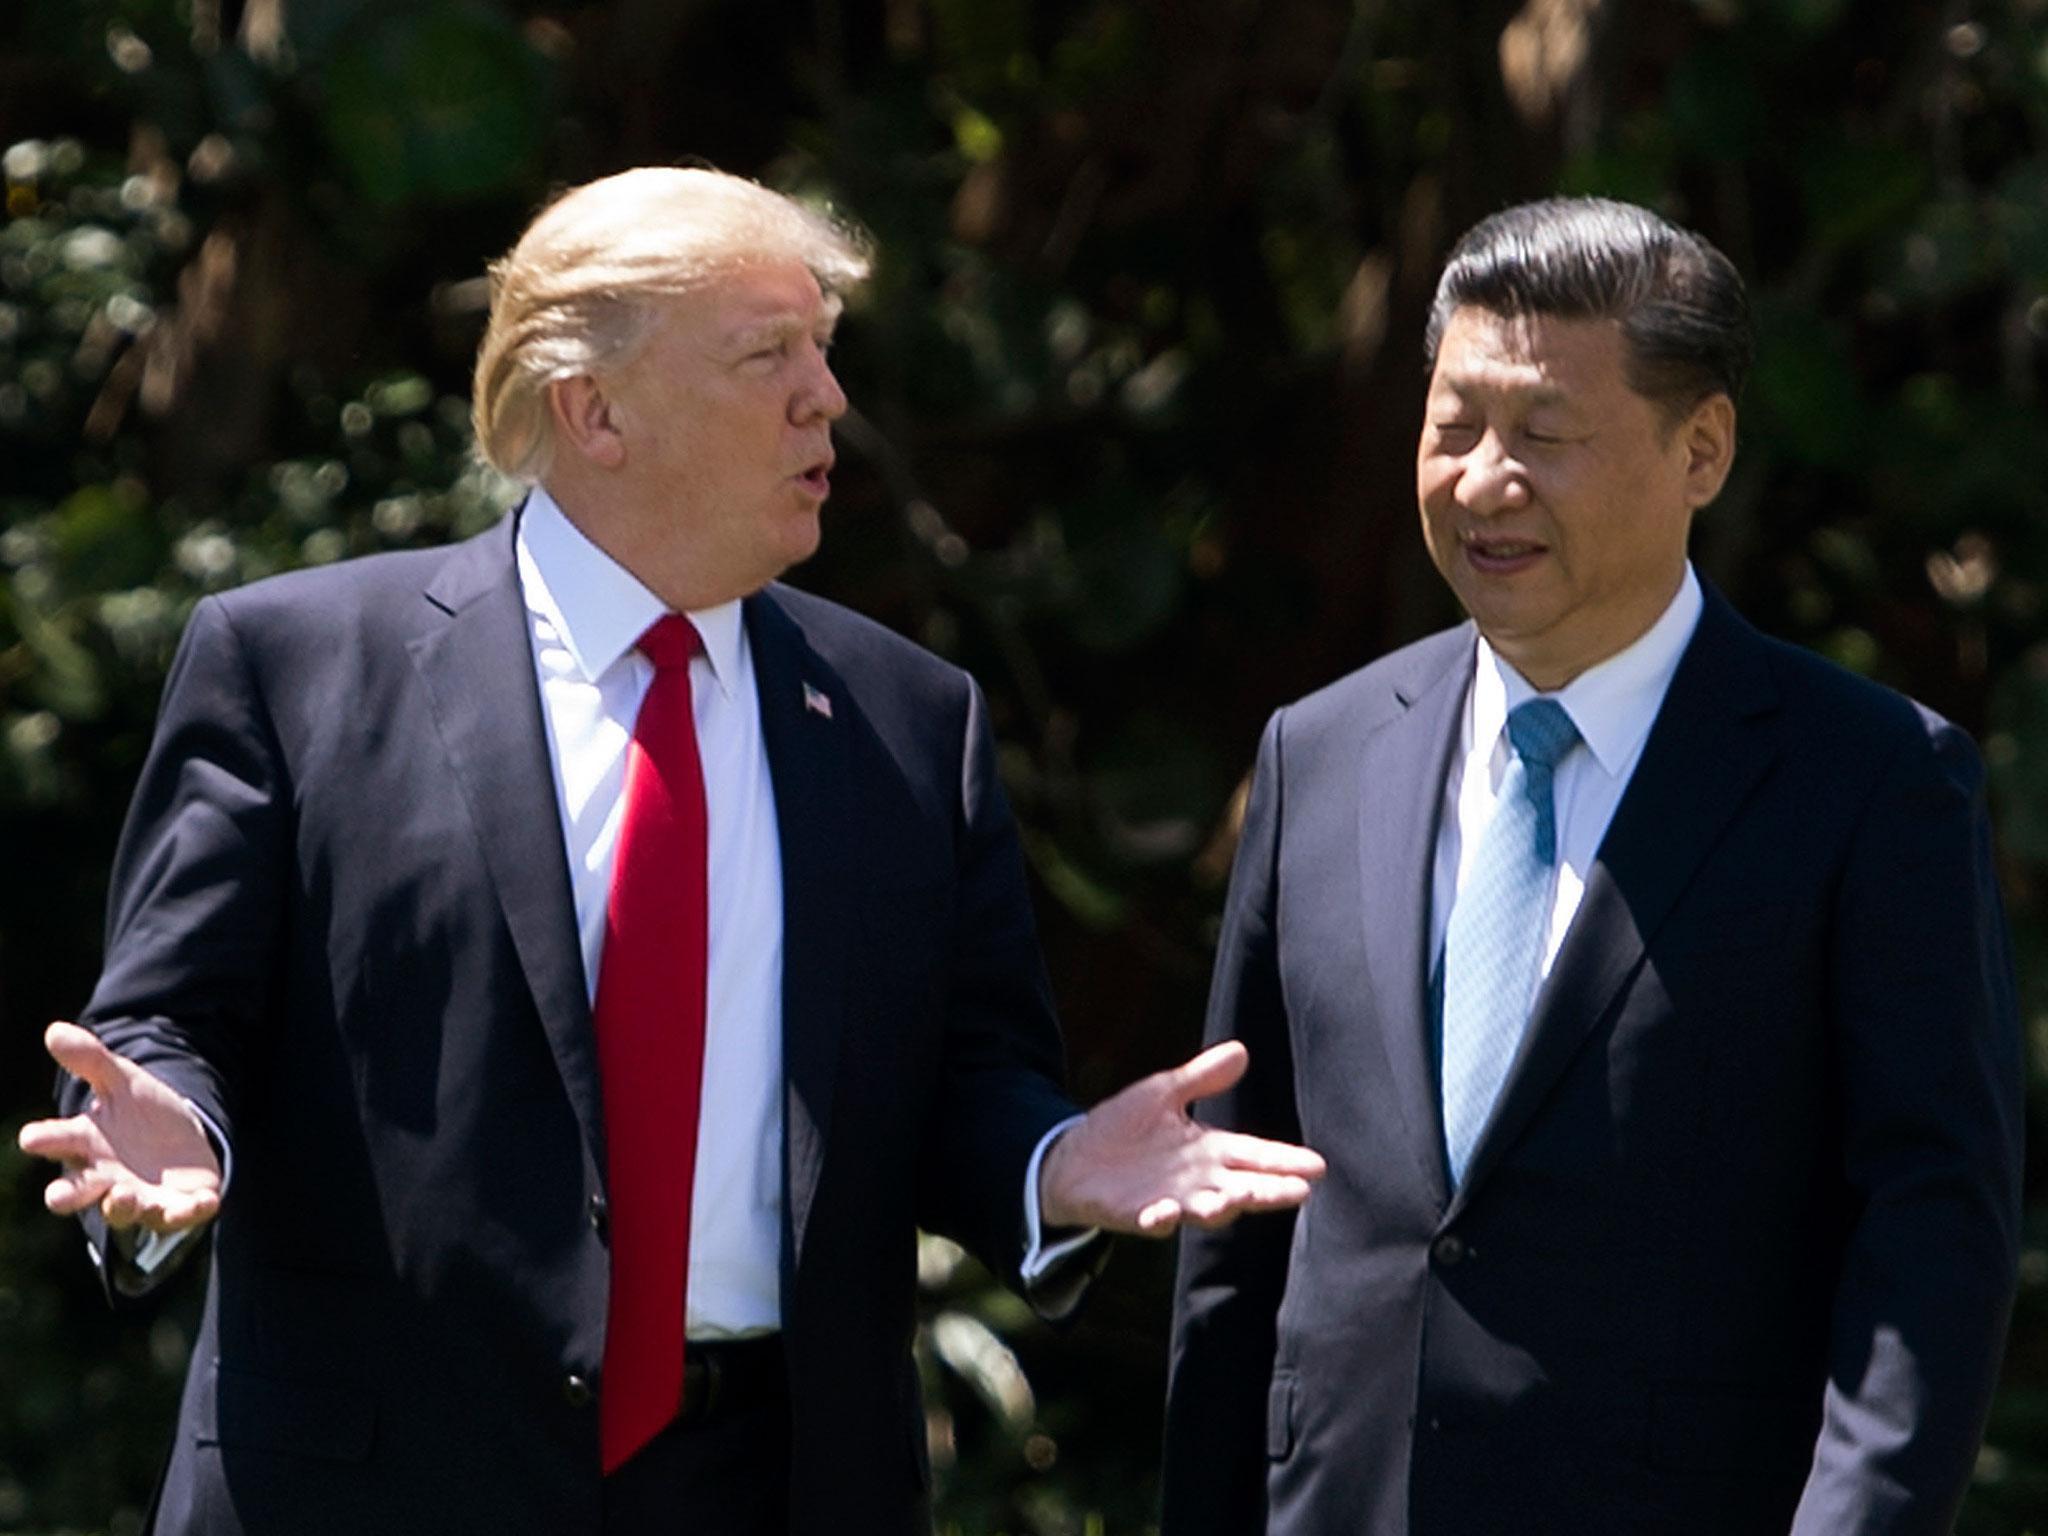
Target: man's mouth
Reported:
[(817, 479), (1498, 555)]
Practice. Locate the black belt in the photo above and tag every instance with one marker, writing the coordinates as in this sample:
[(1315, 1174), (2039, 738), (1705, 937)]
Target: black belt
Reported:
[(724, 1376)]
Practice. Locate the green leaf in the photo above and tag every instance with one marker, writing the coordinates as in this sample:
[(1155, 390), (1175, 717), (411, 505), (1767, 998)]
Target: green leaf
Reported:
[(1127, 580), (1715, 103), (104, 538), (1805, 388), (1158, 785), (2017, 754), (1855, 190), (1806, 16), (441, 101)]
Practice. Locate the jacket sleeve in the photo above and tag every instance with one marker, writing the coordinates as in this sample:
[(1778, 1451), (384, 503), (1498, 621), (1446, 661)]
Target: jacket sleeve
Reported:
[(198, 890), (1002, 1061), (1228, 1290), (1930, 1083)]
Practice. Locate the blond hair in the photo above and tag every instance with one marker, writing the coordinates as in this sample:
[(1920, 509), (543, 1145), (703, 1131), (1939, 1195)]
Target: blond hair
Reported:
[(579, 291)]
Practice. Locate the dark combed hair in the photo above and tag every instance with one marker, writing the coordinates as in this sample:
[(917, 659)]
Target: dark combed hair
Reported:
[(1679, 301)]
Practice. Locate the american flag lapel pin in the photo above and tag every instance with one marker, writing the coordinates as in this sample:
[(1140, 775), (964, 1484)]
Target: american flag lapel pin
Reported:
[(817, 702)]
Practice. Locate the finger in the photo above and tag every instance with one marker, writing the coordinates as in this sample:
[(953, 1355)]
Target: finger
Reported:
[(1217, 1208), (79, 1052), (1258, 1155), (73, 1140), (121, 1206), (76, 1191), (1208, 1207), (1242, 1193), (1159, 1218), (166, 1208), (1210, 1072), (181, 1210)]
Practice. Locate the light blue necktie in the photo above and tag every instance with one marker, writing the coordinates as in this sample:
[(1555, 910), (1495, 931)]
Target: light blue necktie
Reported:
[(1494, 944)]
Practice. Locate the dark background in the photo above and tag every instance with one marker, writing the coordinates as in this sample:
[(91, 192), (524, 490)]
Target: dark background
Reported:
[(1137, 384)]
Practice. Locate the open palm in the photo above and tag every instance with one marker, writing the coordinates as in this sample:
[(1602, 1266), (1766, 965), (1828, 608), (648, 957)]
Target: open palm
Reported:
[(137, 1151), (1139, 1163)]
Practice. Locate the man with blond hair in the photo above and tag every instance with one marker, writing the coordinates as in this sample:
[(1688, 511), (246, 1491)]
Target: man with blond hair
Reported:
[(564, 970)]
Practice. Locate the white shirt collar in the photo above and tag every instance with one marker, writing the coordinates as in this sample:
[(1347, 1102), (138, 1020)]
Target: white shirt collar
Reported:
[(597, 606), (1613, 704)]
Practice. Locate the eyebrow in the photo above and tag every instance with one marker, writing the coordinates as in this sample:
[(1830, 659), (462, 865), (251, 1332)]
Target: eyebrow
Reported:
[(788, 323), (1535, 394)]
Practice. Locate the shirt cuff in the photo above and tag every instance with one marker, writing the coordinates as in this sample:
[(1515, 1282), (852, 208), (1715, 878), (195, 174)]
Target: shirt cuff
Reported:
[(138, 1256), (1047, 1253)]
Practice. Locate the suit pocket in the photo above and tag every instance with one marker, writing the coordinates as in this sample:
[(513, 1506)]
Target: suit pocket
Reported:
[(1280, 1415), (328, 1420), (1717, 1429)]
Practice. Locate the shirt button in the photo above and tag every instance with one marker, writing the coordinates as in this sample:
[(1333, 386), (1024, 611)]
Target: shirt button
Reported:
[(1449, 1251), (576, 1391), (600, 1217)]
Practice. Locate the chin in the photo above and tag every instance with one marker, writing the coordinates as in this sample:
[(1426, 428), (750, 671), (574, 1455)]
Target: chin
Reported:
[(799, 540)]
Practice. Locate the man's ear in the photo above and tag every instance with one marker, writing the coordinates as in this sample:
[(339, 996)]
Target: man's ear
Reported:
[(1709, 438), (584, 421)]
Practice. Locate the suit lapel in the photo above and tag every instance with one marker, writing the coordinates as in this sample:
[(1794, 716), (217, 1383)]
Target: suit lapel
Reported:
[(1712, 742), (1401, 778), (475, 664), (807, 725)]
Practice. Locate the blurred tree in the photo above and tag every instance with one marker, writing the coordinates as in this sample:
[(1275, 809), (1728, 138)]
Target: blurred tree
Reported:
[(1137, 380)]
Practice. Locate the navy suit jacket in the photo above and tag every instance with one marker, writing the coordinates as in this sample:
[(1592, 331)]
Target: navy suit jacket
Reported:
[(341, 924), (1736, 1252)]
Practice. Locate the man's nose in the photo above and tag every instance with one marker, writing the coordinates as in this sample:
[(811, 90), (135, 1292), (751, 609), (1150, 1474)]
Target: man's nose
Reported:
[(820, 396), (1491, 479)]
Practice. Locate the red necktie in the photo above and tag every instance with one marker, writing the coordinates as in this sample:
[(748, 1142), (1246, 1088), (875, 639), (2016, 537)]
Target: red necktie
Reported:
[(650, 1049)]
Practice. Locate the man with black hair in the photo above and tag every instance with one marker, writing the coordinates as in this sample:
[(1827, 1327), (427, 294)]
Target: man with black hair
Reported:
[(1642, 979)]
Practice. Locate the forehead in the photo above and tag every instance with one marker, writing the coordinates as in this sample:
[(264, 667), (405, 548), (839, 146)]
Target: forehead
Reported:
[(1545, 356), (745, 299)]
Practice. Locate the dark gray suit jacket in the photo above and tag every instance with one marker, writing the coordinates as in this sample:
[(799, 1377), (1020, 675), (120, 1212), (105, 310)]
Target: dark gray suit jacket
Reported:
[(1737, 1250), (341, 924)]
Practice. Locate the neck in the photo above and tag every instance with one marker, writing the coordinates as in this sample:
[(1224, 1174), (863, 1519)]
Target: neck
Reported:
[(655, 552), (1550, 662)]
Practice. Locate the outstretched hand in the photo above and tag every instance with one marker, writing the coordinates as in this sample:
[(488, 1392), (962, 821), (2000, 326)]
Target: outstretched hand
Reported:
[(1138, 1163), (137, 1151)]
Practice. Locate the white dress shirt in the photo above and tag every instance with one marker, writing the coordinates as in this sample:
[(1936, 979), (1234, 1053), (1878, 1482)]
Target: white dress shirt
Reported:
[(585, 615), (1613, 704)]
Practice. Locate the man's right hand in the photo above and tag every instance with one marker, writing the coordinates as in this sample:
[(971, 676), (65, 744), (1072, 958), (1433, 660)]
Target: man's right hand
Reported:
[(138, 1151), (1139, 1163)]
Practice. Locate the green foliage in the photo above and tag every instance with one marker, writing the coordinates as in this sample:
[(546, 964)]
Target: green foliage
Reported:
[(431, 103), (1137, 382)]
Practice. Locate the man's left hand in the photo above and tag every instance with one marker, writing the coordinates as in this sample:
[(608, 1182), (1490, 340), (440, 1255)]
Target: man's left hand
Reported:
[(1138, 1163)]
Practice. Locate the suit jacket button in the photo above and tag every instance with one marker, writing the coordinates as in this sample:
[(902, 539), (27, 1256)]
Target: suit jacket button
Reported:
[(576, 1390), (601, 1217), (1449, 1250)]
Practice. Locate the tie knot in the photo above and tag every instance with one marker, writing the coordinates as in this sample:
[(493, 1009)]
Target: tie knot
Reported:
[(670, 641), (1542, 732)]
